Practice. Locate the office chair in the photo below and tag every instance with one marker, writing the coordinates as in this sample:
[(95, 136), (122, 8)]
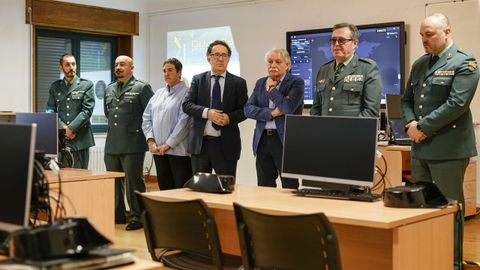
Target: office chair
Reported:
[(286, 242), (183, 235)]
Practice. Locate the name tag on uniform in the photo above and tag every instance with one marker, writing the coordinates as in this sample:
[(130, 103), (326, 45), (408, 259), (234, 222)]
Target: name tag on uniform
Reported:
[(353, 78), (444, 72), (109, 94), (132, 93)]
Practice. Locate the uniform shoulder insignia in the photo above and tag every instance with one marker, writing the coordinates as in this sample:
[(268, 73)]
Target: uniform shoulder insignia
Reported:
[(366, 60), (144, 82), (329, 62), (472, 65)]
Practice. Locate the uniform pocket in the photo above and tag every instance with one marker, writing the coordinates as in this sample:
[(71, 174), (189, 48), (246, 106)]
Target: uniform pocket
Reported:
[(352, 93)]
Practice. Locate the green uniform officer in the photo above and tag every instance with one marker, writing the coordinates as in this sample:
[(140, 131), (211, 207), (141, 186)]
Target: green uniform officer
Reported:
[(435, 109), (125, 146), (72, 98), (347, 85)]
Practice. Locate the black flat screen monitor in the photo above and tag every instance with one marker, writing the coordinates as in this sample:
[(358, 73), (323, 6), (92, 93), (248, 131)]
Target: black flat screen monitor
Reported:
[(17, 145), (47, 130), (330, 149), (383, 42)]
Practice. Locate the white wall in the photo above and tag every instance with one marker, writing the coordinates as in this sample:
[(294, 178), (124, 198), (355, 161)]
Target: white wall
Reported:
[(14, 70)]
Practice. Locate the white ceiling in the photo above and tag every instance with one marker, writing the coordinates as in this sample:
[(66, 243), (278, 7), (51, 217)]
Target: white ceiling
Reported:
[(168, 6)]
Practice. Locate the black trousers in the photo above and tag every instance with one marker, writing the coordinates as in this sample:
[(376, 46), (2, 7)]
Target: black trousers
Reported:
[(269, 161), (132, 165), (211, 157), (172, 171)]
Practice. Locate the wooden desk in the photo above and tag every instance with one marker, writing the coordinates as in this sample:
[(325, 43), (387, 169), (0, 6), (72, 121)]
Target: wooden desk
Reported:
[(88, 194), (370, 235), (398, 163)]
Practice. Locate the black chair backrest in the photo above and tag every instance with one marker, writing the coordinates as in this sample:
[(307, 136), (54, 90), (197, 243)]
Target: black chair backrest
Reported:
[(188, 226), (286, 242)]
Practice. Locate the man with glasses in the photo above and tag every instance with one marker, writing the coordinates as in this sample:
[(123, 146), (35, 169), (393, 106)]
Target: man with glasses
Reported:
[(347, 85), (215, 101)]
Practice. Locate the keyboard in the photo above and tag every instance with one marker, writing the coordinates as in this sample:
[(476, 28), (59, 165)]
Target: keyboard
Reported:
[(337, 194)]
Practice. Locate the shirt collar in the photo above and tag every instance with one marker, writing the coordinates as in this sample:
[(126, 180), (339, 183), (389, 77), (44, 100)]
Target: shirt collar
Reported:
[(346, 62), (223, 75), (174, 88), (445, 50)]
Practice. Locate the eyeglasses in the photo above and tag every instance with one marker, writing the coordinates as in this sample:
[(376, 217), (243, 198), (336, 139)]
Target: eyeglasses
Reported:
[(339, 41), (218, 55)]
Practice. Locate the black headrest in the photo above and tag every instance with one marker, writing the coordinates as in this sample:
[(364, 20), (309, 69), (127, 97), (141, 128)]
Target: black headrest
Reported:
[(207, 182)]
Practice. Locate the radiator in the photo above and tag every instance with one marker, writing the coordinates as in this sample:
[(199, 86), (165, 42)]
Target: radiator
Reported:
[(96, 162)]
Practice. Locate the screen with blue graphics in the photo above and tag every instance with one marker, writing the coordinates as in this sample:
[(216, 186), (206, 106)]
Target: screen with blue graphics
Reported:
[(384, 43)]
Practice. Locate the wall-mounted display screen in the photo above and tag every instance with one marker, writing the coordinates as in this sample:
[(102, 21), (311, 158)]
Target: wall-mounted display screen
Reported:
[(384, 43)]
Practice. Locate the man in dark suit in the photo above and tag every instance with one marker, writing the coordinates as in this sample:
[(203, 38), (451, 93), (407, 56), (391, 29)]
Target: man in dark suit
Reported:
[(436, 111), (215, 101), (348, 85), (274, 96), (125, 146), (72, 98)]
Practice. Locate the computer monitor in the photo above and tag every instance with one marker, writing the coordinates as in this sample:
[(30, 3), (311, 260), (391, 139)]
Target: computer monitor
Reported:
[(17, 145), (382, 42), (47, 130), (330, 149), (395, 125)]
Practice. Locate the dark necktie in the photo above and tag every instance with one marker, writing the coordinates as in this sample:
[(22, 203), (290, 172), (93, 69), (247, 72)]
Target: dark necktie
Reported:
[(119, 86), (216, 98), (433, 60), (338, 69)]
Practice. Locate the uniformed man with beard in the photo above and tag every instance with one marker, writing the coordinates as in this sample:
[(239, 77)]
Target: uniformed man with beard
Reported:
[(72, 98), (125, 146)]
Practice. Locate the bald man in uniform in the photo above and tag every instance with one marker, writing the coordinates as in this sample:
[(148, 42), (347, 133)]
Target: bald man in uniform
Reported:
[(125, 146), (436, 111)]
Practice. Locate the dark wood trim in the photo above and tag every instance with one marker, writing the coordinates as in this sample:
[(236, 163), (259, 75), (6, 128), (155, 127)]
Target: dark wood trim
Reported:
[(49, 13), (64, 16), (125, 45)]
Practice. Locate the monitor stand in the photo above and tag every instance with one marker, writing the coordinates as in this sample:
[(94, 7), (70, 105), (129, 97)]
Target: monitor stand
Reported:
[(343, 188)]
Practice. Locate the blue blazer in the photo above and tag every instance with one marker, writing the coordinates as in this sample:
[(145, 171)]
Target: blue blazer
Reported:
[(288, 99)]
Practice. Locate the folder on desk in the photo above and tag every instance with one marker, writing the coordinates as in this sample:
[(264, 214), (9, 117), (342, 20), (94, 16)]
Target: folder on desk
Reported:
[(96, 259)]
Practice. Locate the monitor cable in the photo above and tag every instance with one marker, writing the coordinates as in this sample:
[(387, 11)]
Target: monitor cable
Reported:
[(381, 184)]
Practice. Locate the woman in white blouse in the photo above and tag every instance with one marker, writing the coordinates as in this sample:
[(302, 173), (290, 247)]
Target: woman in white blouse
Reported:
[(166, 129)]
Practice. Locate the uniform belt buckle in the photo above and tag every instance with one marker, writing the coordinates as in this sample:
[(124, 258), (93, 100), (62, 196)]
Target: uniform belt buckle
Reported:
[(271, 132)]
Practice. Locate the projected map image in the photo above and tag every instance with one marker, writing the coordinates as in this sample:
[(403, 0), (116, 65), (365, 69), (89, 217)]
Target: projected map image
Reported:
[(190, 47), (310, 51)]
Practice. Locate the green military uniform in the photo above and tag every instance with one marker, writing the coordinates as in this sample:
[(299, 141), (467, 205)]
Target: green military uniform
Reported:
[(439, 98), (355, 91), (126, 145), (74, 105)]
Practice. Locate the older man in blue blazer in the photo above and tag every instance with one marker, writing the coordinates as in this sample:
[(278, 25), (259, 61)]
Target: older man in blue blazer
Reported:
[(274, 96)]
